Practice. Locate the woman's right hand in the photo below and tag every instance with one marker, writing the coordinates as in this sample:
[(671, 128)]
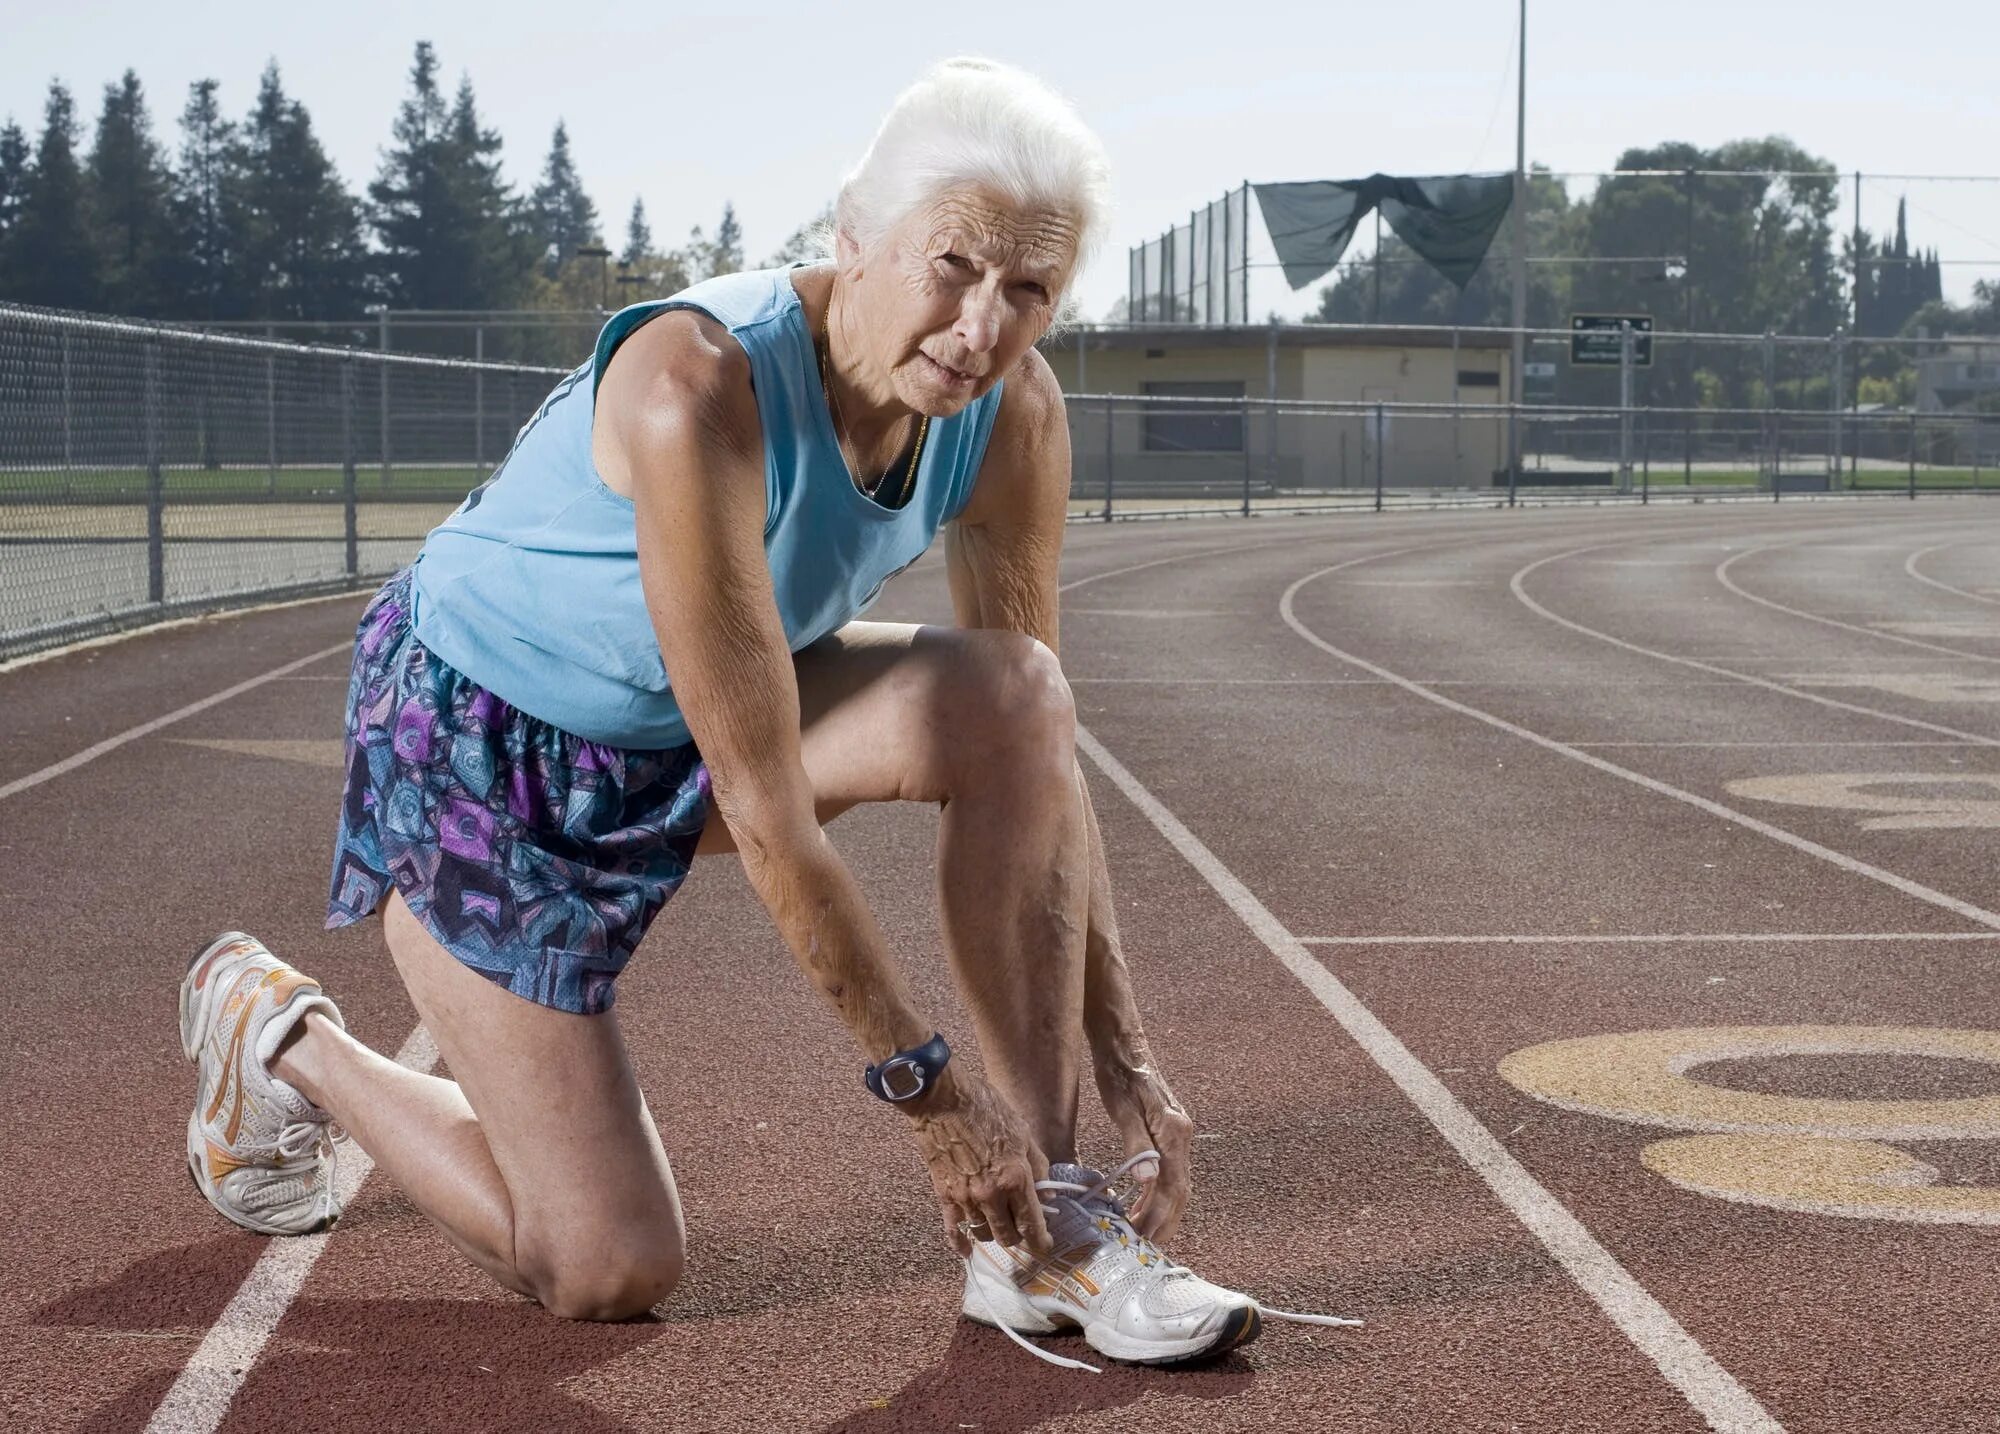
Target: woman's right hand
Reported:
[(983, 1164)]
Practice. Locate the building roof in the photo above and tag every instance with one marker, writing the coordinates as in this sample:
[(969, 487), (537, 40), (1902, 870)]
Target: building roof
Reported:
[(1289, 336)]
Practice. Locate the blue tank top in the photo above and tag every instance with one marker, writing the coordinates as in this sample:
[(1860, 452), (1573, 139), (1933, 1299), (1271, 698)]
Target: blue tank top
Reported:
[(531, 588)]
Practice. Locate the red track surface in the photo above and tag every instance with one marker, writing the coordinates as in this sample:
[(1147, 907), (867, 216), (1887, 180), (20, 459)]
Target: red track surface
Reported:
[(1348, 803)]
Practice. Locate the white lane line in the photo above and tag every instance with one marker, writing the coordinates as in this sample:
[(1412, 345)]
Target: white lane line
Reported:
[(1931, 742), (1706, 1385), (1845, 862), (1910, 567), (201, 1396), (1722, 576), (1697, 937), (111, 744), (1518, 586)]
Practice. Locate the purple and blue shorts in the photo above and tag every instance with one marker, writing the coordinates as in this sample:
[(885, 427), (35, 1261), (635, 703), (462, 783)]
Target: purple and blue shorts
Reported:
[(532, 855)]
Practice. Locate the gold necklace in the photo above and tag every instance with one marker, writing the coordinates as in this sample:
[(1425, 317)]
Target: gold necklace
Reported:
[(840, 424)]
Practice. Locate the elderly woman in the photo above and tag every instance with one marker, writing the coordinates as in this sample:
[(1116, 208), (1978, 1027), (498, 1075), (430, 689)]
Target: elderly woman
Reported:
[(637, 645)]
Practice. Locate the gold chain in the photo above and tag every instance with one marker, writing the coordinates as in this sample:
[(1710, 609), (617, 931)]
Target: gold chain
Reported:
[(840, 424)]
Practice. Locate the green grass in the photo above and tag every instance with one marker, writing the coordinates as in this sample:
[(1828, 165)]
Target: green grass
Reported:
[(185, 484)]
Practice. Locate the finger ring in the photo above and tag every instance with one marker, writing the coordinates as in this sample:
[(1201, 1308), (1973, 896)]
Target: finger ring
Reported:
[(977, 1229)]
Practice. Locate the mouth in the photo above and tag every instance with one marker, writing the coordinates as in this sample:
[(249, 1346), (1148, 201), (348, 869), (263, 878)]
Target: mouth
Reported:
[(948, 374)]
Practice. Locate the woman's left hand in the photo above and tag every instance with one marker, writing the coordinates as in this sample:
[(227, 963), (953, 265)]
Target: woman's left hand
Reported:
[(1143, 1107)]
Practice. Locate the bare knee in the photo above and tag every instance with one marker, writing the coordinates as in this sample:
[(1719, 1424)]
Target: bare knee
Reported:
[(614, 1282), (1026, 718)]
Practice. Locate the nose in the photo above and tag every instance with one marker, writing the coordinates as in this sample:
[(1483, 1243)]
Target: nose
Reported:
[(978, 325)]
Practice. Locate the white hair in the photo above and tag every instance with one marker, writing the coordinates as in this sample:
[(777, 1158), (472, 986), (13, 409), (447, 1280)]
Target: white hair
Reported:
[(973, 122)]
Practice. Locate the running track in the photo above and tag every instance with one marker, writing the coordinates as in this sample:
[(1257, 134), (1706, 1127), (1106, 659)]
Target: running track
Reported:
[(1707, 769)]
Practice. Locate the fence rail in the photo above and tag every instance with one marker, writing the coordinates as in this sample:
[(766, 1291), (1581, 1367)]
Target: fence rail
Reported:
[(148, 471)]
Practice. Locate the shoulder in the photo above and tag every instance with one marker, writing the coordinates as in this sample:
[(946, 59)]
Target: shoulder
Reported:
[(1026, 467), (680, 379), (1031, 403)]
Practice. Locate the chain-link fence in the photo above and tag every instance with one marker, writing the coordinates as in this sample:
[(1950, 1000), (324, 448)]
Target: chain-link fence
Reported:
[(1150, 456), (147, 471)]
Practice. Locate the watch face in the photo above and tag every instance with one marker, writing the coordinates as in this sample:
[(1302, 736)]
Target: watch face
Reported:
[(903, 1079)]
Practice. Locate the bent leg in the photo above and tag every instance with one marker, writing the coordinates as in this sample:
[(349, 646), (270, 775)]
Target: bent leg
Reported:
[(981, 722), (540, 1099)]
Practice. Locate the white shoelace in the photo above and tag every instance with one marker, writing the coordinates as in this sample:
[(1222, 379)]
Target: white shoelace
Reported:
[(300, 1137), (1101, 1199)]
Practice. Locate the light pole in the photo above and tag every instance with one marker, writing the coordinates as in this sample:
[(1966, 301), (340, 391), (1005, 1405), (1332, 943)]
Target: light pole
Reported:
[(1520, 247), (605, 271)]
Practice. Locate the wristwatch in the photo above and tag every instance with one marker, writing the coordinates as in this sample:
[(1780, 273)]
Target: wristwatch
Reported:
[(908, 1074)]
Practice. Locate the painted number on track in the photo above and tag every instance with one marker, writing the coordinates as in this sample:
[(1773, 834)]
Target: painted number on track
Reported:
[(1904, 801), (1820, 1156)]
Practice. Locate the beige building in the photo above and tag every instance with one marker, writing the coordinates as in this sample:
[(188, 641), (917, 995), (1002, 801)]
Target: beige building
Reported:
[(1166, 449)]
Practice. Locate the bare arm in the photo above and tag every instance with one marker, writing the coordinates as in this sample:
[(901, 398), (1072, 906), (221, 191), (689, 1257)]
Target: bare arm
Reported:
[(682, 430), (680, 417), (1003, 559)]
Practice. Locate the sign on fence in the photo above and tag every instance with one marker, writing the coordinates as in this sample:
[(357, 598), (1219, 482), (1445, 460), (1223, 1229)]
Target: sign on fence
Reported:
[(1593, 339)]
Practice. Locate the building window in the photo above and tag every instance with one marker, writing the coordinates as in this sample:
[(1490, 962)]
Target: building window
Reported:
[(1204, 428), (1478, 378)]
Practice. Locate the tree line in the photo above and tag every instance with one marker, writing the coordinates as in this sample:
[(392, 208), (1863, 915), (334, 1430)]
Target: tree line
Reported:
[(249, 220)]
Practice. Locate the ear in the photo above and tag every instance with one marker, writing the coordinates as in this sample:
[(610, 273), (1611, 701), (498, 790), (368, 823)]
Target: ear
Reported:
[(846, 254)]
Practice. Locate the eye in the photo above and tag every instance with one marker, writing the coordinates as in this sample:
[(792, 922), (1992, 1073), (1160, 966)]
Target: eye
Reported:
[(958, 261), (1036, 289)]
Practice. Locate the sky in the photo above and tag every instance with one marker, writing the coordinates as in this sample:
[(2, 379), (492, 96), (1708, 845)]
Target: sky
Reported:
[(768, 108)]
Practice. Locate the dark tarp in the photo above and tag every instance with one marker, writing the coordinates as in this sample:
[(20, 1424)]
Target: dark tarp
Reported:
[(1449, 219)]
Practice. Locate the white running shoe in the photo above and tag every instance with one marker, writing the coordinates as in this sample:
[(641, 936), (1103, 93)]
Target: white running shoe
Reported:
[(1131, 1302), (258, 1149)]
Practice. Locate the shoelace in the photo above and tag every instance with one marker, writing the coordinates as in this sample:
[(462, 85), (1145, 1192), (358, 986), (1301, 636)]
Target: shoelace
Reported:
[(302, 1136), (1102, 1199)]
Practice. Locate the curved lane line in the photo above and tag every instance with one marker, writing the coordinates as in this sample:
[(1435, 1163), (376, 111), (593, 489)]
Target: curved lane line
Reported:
[(1705, 1384), (1517, 584), (1722, 576), (1855, 865), (132, 734), (1910, 567)]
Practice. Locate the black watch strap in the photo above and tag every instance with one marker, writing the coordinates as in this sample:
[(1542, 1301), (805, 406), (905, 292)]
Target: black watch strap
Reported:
[(908, 1074)]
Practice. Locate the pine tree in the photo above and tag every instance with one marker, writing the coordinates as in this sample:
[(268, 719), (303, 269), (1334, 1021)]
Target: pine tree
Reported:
[(129, 187), (50, 257), (303, 256), (202, 202), (561, 214), (726, 253), (638, 235), (13, 178), (407, 197), (447, 224)]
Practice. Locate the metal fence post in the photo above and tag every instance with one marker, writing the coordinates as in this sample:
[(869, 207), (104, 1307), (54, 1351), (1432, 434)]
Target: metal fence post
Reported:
[(67, 417), (1913, 451), (479, 405), (1246, 456), (1836, 434), (1770, 454), (383, 386), (1624, 406), (1110, 441), (1381, 443), (1646, 466), (156, 495), (1271, 413), (347, 479), (1513, 463)]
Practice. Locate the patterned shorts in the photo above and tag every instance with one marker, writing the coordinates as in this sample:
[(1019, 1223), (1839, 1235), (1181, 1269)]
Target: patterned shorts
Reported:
[(535, 857)]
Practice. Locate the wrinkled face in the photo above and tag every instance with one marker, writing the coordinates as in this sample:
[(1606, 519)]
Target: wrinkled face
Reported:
[(956, 293)]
